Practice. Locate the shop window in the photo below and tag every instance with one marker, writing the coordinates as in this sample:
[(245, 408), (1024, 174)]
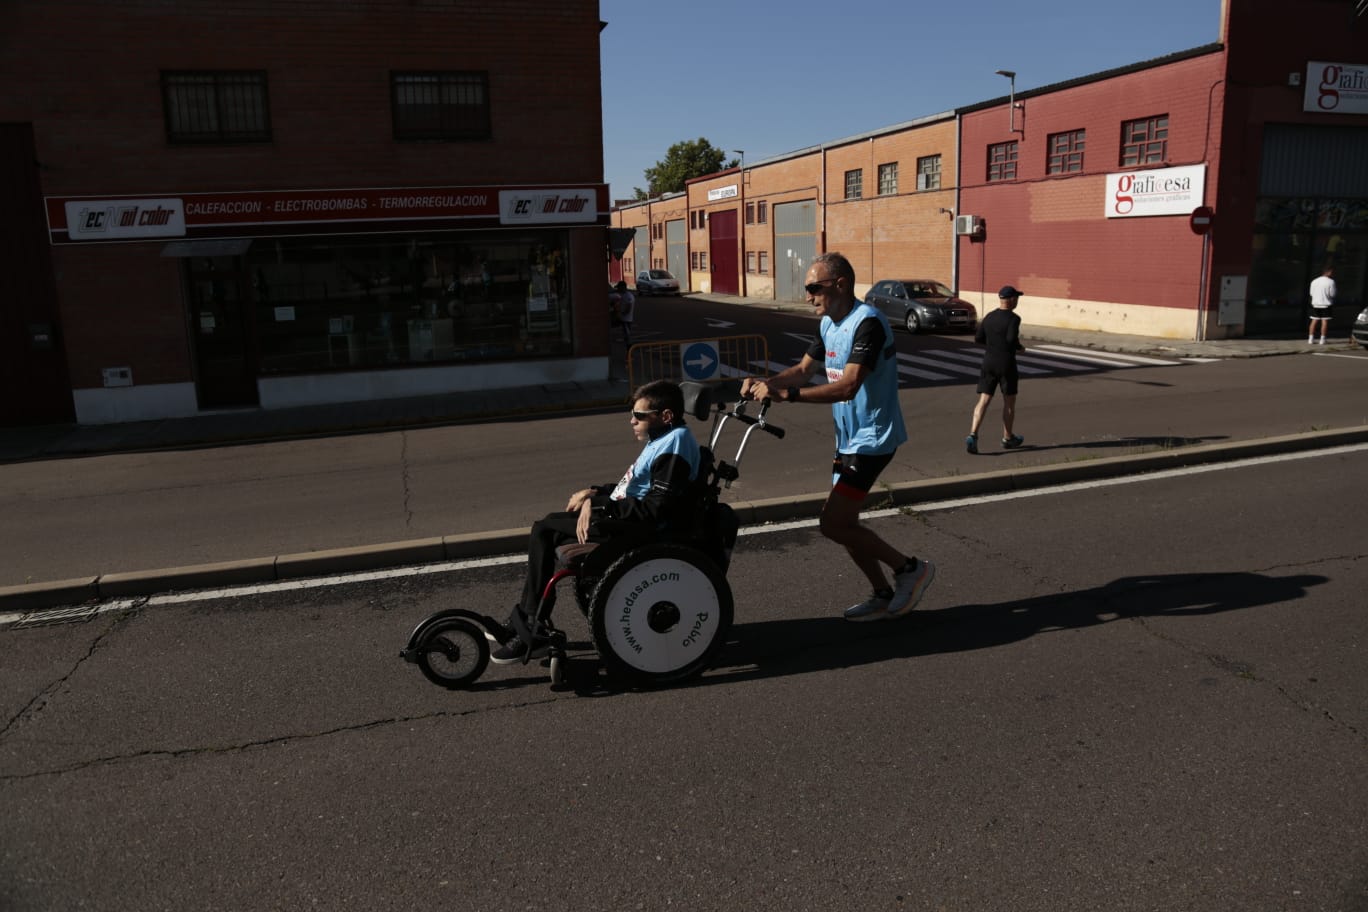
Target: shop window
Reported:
[(440, 106), (1065, 153), (1145, 141), (762, 212), (391, 301), (1002, 161), (888, 179), (929, 172), (854, 184), (750, 262), (216, 107), (764, 262)]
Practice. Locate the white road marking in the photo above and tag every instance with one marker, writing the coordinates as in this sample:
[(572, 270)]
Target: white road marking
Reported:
[(1086, 354), (928, 362), (19, 620), (978, 359)]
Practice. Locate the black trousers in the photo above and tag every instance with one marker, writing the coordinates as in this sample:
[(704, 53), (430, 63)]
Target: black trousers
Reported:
[(549, 533)]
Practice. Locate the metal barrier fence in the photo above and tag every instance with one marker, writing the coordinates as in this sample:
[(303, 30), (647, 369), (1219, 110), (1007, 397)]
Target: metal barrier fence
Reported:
[(720, 358)]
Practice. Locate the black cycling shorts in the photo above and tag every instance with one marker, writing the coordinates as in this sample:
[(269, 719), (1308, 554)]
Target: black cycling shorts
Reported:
[(853, 474)]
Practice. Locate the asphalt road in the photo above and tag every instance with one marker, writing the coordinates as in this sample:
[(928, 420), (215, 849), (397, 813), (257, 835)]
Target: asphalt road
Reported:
[(1133, 697), (72, 518)]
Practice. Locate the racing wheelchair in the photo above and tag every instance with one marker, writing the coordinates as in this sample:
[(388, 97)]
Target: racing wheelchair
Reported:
[(658, 603)]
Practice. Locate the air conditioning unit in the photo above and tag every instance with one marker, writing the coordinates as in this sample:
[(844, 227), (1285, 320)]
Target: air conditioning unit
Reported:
[(970, 225)]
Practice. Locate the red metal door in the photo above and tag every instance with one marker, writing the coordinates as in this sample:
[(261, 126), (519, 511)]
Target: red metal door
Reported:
[(35, 387), (726, 278)]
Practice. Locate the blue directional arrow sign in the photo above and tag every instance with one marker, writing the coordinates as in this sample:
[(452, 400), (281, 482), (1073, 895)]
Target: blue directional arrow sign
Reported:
[(699, 360)]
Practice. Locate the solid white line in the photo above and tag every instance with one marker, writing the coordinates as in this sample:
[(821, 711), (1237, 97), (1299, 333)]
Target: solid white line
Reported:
[(21, 619), (1086, 354), (1363, 357)]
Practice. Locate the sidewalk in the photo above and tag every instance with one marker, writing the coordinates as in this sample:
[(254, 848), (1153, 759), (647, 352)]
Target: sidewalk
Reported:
[(251, 425)]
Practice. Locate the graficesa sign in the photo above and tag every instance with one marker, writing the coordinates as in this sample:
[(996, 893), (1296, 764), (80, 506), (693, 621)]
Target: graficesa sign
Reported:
[(1163, 191), (1335, 88)]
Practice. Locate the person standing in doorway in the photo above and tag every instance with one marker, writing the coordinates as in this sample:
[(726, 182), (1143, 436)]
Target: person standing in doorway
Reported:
[(857, 352), (626, 310), (1000, 335), (1322, 299)]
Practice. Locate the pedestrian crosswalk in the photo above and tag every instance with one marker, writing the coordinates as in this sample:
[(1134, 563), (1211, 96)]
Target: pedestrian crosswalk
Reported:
[(961, 363)]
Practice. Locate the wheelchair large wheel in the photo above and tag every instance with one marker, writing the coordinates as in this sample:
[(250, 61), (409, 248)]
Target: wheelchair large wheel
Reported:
[(660, 613), (453, 653)]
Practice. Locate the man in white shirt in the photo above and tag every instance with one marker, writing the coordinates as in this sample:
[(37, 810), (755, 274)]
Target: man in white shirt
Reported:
[(1322, 298)]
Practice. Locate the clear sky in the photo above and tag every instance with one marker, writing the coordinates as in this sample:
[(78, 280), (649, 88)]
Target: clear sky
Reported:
[(771, 77)]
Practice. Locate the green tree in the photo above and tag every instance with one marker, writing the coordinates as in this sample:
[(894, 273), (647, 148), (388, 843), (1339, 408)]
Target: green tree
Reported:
[(683, 161)]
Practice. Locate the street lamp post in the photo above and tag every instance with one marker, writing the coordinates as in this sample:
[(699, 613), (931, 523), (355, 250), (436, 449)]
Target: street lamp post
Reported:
[(1011, 98), (742, 219)]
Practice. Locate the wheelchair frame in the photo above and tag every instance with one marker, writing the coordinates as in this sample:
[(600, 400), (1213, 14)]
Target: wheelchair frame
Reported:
[(658, 610)]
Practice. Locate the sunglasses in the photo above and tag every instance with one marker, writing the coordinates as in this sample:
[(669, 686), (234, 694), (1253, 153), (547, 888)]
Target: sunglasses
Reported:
[(813, 288), (643, 416)]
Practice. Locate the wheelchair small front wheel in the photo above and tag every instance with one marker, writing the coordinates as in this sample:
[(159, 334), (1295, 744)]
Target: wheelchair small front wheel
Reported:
[(452, 653), (660, 613)]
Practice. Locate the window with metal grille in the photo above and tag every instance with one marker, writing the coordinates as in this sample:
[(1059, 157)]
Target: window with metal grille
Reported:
[(928, 173), (854, 181), (750, 262), (762, 212), (1065, 152), (1144, 141), (440, 106), (750, 213), (216, 107), (888, 179), (764, 262), (1002, 161)]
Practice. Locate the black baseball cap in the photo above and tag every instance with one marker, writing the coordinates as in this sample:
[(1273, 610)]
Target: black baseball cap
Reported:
[(1007, 291)]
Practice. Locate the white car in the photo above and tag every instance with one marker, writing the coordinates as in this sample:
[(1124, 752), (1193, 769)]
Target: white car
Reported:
[(656, 282)]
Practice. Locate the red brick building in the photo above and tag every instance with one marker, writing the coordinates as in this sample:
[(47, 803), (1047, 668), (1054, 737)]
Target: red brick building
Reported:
[(1082, 193), (237, 204)]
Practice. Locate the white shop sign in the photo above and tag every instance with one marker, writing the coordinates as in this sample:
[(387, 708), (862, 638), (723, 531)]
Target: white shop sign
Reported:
[(1164, 191)]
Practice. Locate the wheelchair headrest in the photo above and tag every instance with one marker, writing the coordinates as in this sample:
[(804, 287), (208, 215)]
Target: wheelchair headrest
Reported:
[(697, 399)]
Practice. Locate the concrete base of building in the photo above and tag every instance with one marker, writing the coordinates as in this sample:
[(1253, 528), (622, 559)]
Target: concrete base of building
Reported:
[(1097, 316)]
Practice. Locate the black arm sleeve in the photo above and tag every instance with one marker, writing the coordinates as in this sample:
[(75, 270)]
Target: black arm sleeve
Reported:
[(664, 503)]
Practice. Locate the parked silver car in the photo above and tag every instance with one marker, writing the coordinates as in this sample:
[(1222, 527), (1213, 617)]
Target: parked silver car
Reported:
[(1360, 330), (656, 282)]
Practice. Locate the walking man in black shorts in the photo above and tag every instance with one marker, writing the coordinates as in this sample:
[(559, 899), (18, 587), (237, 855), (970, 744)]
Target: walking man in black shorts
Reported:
[(1000, 334)]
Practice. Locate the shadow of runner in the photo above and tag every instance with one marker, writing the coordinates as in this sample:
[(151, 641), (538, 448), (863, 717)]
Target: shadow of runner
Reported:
[(776, 648)]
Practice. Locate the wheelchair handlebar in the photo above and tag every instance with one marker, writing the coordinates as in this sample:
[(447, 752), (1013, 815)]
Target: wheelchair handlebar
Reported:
[(759, 420)]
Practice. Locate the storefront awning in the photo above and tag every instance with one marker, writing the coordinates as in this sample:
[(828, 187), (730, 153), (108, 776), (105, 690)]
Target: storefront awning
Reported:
[(225, 247)]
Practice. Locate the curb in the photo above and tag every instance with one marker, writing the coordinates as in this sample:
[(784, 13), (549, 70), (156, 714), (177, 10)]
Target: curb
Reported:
[(58, 593)]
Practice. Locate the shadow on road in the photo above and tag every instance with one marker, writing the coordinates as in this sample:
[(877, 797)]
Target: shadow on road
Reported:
[(1128, 443), (775, 648)]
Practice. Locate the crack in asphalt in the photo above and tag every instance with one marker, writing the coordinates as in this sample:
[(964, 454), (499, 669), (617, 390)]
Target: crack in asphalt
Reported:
[(40, 701), (177, 753), (404, 477)]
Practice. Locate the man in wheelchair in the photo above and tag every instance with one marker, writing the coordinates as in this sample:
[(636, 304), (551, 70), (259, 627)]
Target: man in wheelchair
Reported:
[(655, 495)]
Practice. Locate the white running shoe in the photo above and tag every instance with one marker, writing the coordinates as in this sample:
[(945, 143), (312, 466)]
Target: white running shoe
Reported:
[(909, 587), (871, 609)]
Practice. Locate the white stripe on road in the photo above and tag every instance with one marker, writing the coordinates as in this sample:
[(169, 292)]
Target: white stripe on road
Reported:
[(34, 618), (978, 359), (1086, 354), (910, 360)]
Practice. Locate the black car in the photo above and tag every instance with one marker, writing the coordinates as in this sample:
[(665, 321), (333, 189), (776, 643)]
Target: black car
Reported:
[(922, 304), (1360, 330)]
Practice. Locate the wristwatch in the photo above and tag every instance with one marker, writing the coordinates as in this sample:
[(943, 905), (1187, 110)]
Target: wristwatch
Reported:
[(791, 394)]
